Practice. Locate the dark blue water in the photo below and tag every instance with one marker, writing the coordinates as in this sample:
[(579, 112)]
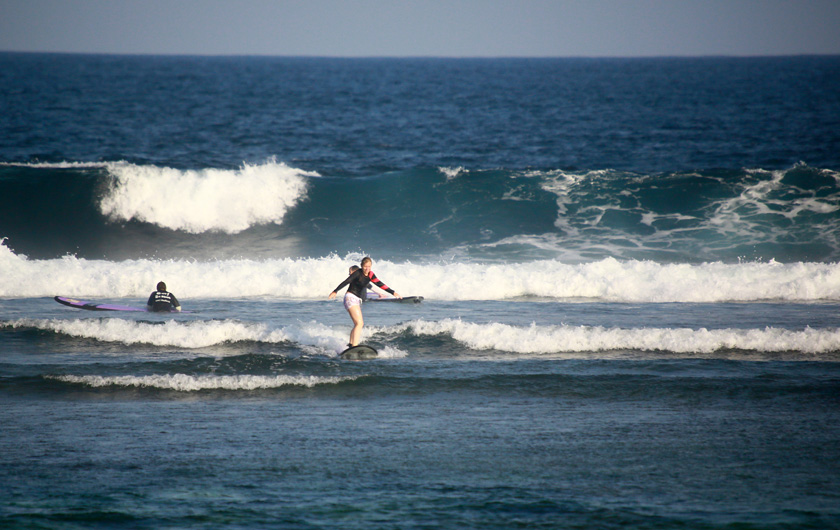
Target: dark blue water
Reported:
[(369, 116), (630, 271)]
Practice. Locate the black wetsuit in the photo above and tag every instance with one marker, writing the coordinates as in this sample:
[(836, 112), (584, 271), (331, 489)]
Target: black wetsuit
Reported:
[(359, 283), (162, 301)]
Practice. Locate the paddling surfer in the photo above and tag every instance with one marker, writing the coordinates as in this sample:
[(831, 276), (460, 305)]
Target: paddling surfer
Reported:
[(163, 300)]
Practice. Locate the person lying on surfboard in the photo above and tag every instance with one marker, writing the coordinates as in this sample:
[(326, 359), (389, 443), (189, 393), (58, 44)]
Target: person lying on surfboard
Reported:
[(163, 300), (357, 286)]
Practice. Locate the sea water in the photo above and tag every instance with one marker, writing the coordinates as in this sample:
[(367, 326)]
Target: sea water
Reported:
[(630, 271)]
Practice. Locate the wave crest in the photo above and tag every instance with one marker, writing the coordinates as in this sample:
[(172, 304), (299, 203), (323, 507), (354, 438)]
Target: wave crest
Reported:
[(197, 201), (189, 335), (307, 278), (194, 383), (536, 339)]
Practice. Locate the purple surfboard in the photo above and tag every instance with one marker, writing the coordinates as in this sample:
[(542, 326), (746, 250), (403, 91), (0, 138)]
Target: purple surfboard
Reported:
[(94, 306)]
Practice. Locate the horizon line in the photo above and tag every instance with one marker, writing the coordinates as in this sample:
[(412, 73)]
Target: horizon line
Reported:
[(427, 57)]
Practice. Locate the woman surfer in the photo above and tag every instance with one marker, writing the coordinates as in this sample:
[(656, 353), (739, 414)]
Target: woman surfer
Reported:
[(358, 282)]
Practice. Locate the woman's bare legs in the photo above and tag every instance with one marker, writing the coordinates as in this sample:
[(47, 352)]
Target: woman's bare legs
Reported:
[(358, 323)]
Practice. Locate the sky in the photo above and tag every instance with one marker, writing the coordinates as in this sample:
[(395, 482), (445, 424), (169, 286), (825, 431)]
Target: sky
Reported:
[(427, 28)]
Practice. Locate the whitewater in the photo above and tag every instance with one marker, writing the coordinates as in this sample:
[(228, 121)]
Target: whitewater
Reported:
[(308, 278), (478, 337)]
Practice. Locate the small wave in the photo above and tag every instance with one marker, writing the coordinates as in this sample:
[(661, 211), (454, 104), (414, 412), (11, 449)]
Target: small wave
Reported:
[(451, 172), (194, 383), (197, 201), (190, 335), (535, 339)]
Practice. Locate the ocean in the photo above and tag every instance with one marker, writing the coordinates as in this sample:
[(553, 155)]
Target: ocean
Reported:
[(630, 271)]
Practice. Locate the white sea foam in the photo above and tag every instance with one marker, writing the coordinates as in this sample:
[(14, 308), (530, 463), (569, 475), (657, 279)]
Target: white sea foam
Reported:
[(755, 200), (607, 212), (531, 339), (193, 383), (312, 278), (190, 334), (560, 184), (535, 339), (204, 200), (312, 337), (451, 172), (389, 352), (57, 165)]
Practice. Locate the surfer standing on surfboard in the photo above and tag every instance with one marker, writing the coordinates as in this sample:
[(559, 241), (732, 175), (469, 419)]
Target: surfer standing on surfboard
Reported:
[(163, 300), (358, 282)]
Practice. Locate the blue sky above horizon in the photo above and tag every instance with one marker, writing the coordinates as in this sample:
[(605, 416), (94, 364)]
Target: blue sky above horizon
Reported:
[(430, 28)]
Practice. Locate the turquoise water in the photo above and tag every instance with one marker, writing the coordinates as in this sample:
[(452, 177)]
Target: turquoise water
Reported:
[(630, 272)]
